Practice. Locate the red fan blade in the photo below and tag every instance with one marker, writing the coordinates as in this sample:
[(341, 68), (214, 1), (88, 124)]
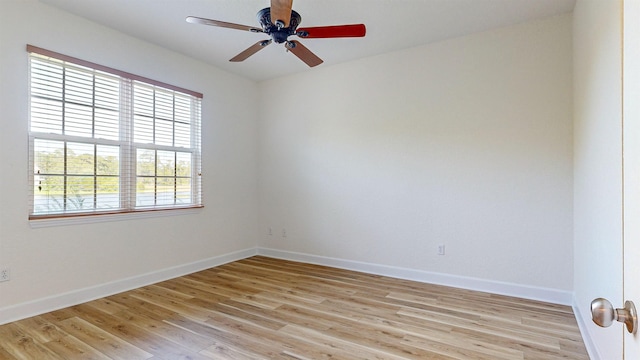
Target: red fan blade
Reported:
[(250, 51), (281, 11), (355, 30), (303, 53), (203, 21)]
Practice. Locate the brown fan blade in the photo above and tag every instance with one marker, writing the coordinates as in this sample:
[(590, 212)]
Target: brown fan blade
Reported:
[(281, 12), (303, 53), (335, 31), (203, 21), (250, 51)]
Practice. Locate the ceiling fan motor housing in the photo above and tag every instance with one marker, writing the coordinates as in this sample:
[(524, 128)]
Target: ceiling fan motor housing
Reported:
[(278, 34)]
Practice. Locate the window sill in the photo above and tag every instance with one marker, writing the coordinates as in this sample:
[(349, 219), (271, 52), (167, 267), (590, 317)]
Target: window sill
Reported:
[(100, 218)]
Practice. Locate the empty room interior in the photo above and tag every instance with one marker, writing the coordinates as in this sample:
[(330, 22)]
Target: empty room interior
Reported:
[(459, 150)]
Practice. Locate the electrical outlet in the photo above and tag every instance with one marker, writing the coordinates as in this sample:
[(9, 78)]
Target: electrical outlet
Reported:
[(441, 249), (5, 275)]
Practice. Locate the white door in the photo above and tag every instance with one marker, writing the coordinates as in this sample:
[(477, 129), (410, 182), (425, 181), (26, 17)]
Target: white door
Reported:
[(631, 179), (631, 152)]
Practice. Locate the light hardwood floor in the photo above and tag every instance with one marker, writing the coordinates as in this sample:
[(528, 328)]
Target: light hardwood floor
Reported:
[(263, 308)]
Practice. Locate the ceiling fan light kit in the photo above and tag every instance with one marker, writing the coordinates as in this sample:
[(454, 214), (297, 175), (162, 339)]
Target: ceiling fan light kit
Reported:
[(280, 22)]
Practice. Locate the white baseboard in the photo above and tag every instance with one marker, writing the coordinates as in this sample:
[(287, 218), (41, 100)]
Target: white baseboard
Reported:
[(586, 336), (55, 302), (495, 287), (51, 303)]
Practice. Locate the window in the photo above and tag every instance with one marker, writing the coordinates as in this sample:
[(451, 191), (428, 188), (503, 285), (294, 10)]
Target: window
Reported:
[(102, 141)]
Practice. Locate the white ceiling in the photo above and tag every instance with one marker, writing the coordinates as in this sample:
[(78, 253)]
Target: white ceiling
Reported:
[(391, 25)]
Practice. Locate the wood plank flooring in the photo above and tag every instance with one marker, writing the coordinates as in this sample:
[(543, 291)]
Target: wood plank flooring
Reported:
[(263, 308)]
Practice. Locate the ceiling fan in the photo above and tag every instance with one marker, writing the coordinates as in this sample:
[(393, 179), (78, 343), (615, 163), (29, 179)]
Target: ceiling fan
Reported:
[(279, 22)]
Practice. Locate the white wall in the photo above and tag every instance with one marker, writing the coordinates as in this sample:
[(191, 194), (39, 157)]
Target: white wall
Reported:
[(598, 167), (466, 142), (51, 262)]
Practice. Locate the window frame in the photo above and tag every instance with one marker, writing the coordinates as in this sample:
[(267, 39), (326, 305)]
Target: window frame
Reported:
[(127, 155)]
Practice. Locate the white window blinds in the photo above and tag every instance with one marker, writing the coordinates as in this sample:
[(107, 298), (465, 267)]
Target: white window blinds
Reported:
[(105, 141)]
